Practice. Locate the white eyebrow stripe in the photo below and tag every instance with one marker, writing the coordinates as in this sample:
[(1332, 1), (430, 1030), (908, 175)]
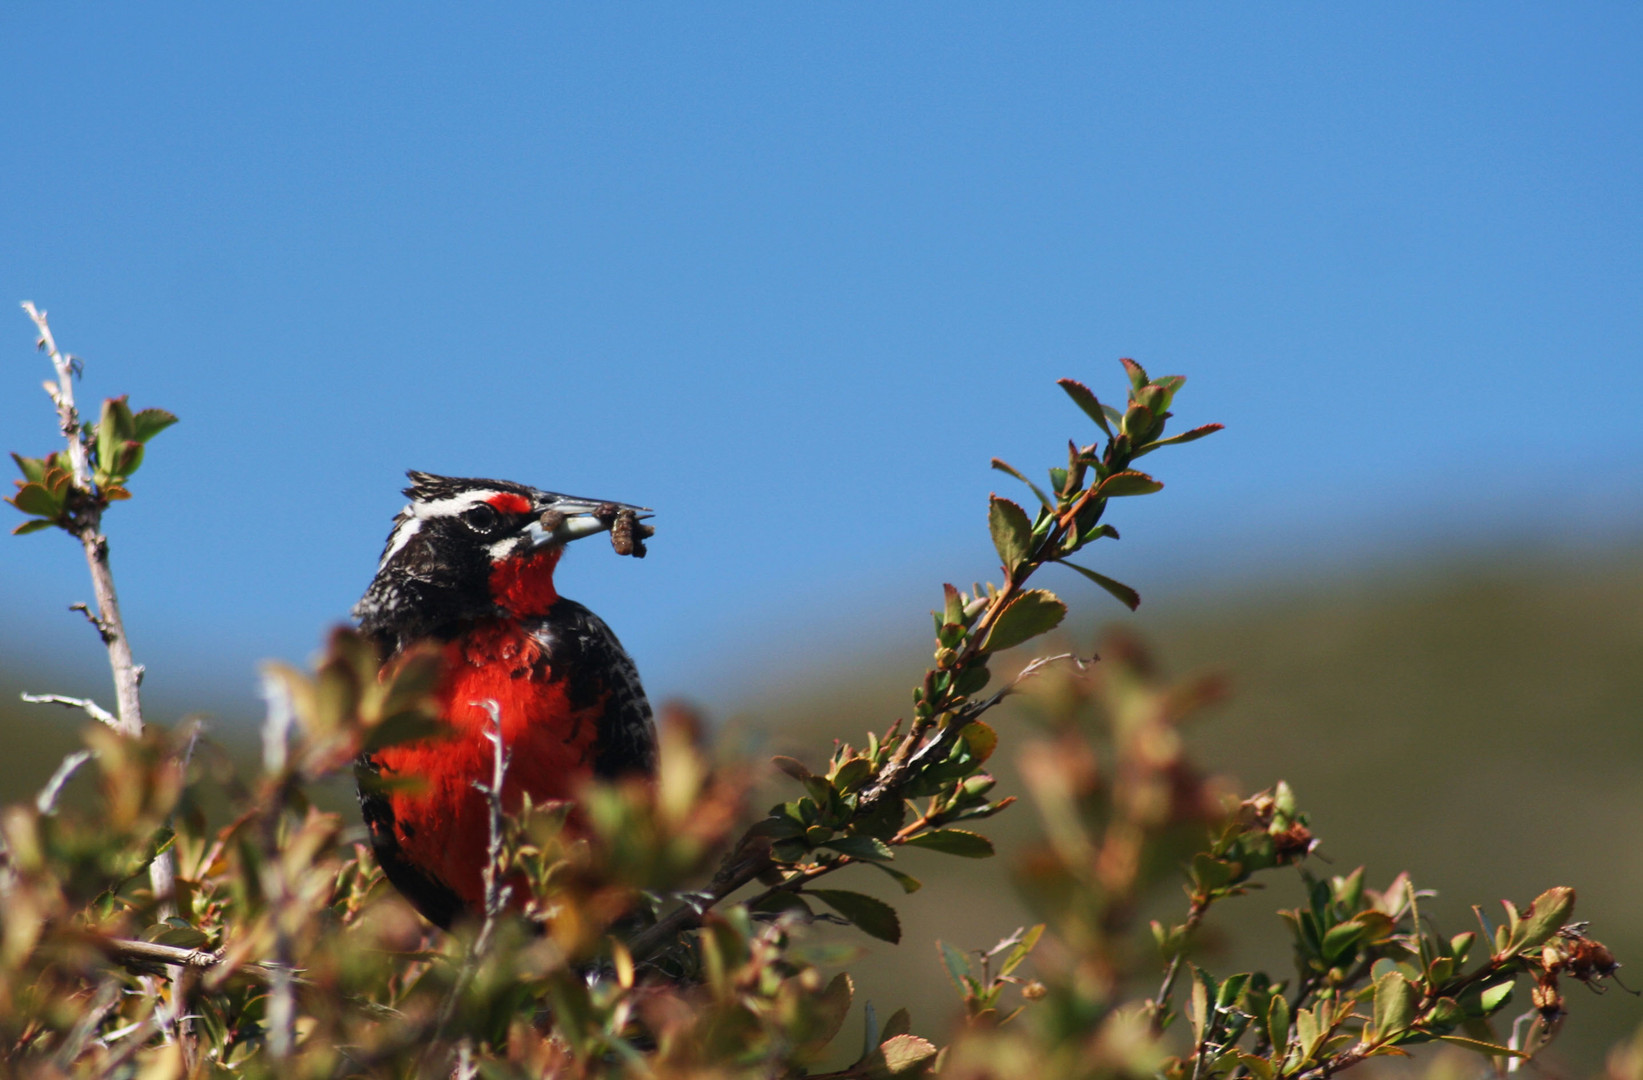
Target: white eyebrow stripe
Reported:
[(408, 527), (452, 506)]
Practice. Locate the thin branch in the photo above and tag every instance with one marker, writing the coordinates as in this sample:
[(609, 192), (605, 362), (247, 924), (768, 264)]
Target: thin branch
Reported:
[(128, 950), (104, 1000), (497, 894), (96, 623), (1159, 1006), (92, 709), (282, 997), (46, 801), (277, 724), (62, 396), (751, 857)]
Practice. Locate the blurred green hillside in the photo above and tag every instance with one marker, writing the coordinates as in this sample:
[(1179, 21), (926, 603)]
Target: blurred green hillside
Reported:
[(1477, 723)]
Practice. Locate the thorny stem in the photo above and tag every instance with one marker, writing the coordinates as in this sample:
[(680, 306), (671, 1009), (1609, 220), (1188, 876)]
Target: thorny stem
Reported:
[(497, 894)]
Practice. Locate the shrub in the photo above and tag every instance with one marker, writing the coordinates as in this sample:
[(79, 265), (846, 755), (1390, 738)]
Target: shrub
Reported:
[(673, 934)]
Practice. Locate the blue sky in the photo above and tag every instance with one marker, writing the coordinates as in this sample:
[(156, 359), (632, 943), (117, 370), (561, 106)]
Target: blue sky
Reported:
[(792, 274)]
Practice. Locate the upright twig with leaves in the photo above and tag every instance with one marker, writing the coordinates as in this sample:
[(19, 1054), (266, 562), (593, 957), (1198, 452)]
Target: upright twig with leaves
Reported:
[(858, 811), (70, 490)]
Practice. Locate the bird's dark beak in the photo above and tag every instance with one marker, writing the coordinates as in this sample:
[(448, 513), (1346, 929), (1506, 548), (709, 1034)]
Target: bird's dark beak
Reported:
[(564, 518)]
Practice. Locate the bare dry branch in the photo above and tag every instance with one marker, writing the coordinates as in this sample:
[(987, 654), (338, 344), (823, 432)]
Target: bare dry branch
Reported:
[(92, 709), (148, 952), (46, 801)]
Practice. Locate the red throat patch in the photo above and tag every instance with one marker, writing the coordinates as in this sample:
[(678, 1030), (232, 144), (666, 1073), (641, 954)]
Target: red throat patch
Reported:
[(523, 585)]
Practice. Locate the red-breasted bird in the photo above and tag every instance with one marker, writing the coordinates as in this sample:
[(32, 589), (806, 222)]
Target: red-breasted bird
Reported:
[(469, 565)]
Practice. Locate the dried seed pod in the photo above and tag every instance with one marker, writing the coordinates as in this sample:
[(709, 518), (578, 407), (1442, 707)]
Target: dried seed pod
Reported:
[(627, 535)]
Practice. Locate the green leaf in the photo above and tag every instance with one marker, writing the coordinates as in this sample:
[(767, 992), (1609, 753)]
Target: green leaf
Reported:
[(831, 1005), (1445, 1013), (908, 883), (958, 842), (1012, 532), (403, 728), (1395, 1000), (1550, 911), (956, 963), (1034, 612), (150, 422), (902, 1055), (115, 426), (1483, 1047), (1493, 997), (852, 774), (34, 525), (1277, 1022), (34, 499), (1122, 592), (1128, 482), (1139, 423), (1005, 467), (873, 916), (900, 1023), (980, 739), (781, 901), (791, 766), (1306, 1030), (183, 937), (1341, 940), (1212, 874), (1259, 1067), (1022, 949), (1084, 399), (33, 469), (1185, 437), (1137, 373), (971, 678), (860, 847)]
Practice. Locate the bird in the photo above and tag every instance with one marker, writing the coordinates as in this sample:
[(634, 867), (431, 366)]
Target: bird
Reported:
[(469, 566)]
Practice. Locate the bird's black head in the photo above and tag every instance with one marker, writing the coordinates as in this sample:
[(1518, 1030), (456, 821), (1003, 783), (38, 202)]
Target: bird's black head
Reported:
[(466, 549)]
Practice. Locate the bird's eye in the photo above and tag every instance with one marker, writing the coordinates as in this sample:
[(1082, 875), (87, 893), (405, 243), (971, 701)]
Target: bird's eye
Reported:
[(482, 517)]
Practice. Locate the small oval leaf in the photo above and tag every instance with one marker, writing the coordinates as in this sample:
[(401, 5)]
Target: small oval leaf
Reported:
[(1034, 612), (958, 842), (1012, 532), (872, 915)]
